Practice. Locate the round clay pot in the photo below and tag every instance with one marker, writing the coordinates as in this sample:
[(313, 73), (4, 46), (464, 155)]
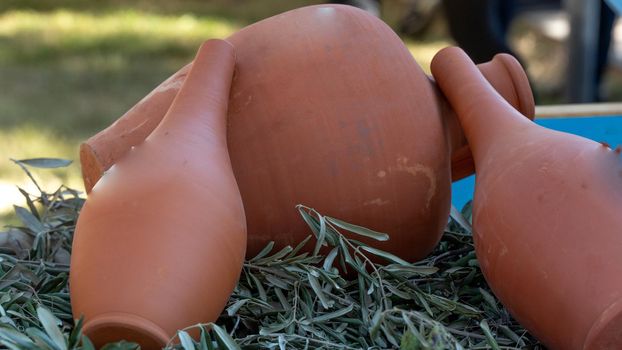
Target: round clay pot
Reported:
[(546, 221), (329, 109), (160, 242)]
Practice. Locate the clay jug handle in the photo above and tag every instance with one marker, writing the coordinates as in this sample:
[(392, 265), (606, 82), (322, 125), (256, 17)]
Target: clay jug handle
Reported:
[(483, 113), (508, 77)]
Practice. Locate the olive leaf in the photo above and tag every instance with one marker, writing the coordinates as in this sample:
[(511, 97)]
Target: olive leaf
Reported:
[(48, 163)]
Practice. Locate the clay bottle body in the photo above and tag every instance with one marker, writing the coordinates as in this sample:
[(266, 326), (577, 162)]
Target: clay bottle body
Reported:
[(329, 109), (160, 242), (546, 224)]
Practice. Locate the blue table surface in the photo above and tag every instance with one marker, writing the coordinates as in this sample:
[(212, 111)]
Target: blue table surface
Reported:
[(601, 129)]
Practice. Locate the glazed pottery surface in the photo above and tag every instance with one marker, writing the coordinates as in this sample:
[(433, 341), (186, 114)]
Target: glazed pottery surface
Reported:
[(328, 109), (160, 242), (546, 215)]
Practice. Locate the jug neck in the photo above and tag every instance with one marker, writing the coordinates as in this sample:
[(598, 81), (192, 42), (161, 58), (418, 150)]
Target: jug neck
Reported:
[(200, 107), (485, 111), (507, 77)]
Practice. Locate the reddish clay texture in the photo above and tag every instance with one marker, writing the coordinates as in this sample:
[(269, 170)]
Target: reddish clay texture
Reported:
[(160, 242), (547, 223), (329, 109), (100, 152)]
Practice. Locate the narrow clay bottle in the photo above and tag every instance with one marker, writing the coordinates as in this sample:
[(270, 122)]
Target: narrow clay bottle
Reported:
[(546, 215), (329, 109), (160, 242)]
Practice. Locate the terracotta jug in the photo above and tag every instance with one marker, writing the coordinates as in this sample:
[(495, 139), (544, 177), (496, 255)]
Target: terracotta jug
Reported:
[(160, 242), (329, 109), (547, 223)]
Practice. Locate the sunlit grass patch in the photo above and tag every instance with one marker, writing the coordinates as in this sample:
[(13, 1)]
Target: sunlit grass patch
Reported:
[(78, 96), (33, 36), (78, 71)]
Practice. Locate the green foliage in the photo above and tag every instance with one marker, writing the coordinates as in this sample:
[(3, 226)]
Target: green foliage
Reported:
[(343, 295)]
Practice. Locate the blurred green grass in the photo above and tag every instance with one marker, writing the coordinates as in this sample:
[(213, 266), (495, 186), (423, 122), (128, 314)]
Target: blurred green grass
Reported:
[(77, 71), (69, 68), (68, 72)]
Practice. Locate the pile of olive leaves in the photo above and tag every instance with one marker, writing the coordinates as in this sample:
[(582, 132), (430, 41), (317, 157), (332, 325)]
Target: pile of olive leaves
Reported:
[(285, 299)]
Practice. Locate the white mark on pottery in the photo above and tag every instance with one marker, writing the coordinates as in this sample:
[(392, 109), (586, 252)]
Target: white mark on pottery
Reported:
[(326, 11), (248, 100), (378, 201), (166, 86), (416, 169), (504, 250), (381, 174), (173, 83)]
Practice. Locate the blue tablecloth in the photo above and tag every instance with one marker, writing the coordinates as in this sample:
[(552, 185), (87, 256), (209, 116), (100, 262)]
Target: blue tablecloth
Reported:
[(601, 129)]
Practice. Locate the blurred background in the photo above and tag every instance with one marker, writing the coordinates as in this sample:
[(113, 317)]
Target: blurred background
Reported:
[(69, 68)]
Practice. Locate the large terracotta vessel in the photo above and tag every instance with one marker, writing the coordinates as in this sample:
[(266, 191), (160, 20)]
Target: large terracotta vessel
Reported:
[(329, 109), (160, 242), (547, 223)]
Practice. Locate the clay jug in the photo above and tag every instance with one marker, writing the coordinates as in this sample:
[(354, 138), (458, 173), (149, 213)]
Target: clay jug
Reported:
[(160, 242), (546, 212), (329, 109)]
